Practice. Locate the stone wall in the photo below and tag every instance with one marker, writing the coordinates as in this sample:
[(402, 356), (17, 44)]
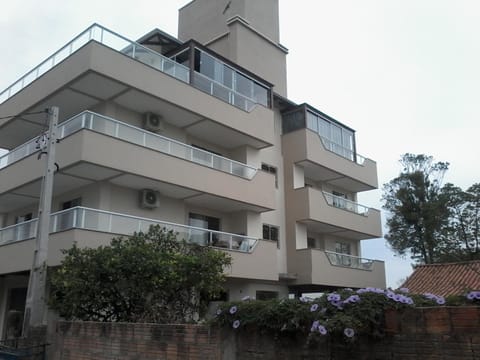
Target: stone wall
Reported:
[(441, 333)]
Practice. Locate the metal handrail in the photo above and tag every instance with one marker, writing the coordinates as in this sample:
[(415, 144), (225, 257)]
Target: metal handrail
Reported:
[(107, 221), (345, 204), (342, 151), (86, 120), (83, 38), (346, 260)]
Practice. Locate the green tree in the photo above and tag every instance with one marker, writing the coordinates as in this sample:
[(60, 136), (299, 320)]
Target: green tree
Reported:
[(147, 277), (464, 223), (417, 209)]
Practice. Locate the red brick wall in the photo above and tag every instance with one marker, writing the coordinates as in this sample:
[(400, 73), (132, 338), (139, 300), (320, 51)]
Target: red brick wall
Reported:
[(442, 333), (122, 341)]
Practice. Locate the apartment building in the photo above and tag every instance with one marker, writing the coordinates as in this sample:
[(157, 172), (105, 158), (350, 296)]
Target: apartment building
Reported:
[(195, 134)]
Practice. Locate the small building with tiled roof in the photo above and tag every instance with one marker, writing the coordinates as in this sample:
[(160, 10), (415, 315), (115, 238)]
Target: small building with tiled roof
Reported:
[(445, 279)]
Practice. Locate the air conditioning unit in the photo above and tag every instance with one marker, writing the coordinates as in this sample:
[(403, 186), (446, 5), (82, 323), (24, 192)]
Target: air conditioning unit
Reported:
[(149, 199), (153, 122)]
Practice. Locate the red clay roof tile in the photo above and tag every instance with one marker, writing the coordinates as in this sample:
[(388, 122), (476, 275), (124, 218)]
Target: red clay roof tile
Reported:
[(445, 279)]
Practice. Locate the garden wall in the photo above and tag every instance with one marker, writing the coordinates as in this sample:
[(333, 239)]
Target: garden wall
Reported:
[(440, 333)]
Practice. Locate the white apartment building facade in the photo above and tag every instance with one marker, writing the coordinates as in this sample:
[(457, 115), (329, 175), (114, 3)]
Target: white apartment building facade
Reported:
[(195, 134)]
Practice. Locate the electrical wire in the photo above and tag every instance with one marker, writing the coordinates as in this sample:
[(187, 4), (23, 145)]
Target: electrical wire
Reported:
[(31, 113)]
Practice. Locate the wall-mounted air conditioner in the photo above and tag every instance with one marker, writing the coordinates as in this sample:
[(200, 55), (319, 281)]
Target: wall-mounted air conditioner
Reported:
[(149, 199), (153, 122)]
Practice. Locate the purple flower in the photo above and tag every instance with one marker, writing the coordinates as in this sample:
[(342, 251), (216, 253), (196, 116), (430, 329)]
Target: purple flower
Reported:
[(333, 297), (303, 299), (315, 325), (236, 324), (233, 309), (440, 300), (219, 311), (404, 290), (391, 295), (314, 307), (473, 295), (352, 299), (322, 329), (409, 301), (337, 303), (246, 298), (398, 297), (349, 332)]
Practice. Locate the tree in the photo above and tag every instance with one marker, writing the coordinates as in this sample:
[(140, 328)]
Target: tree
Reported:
[(464, 223), (417, 209), (147, 277)]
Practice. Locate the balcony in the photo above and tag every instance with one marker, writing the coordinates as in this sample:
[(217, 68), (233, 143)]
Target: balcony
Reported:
[(121, 224), (145, 55), (114, 128), (93, 227), (98, 148), (326, 213), (327, 268), (101, 66)]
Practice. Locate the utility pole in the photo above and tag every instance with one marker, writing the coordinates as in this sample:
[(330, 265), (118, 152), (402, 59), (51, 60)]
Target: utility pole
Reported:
[(36, 296)]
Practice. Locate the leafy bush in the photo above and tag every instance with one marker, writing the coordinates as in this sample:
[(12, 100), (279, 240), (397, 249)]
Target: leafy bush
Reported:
[(147, 277), (344, 313)]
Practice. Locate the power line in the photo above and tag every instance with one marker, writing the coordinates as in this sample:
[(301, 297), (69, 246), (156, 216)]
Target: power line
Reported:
[(31, 113)]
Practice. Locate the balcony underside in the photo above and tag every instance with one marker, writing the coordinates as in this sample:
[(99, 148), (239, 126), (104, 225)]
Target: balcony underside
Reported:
[(96, 74), (86, 158)]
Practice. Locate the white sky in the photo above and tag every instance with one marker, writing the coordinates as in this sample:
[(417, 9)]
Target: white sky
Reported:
[(404, 74)]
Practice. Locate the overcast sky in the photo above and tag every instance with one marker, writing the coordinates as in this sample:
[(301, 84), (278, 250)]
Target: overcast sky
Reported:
[(403, 74)]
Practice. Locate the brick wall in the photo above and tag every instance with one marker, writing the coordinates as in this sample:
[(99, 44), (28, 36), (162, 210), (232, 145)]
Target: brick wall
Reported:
[(442, 333), (122, 341)]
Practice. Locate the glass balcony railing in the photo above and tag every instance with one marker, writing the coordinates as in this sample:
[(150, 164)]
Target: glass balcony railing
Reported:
[(222, 92), (345, 204), (121, 224), (149, 57), (342, 151), (345, 260), (108, 126), (108, 38)]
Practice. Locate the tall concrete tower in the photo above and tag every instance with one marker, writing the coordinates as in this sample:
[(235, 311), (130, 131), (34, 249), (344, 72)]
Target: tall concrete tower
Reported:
[(243, 31)]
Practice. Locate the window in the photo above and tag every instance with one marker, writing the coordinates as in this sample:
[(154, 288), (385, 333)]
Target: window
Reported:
[(205, 222), (24, 231), (272, 170), (266, 295), (270, 232), (67, 219), (339, 199), (343, 248)]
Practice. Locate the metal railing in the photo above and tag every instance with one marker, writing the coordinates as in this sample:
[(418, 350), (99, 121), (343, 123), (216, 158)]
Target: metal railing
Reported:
[(342, 151), (108, 38), (139, 52), (345, 260), (345, 204), (122, 224), (222, 92), (108, 126)]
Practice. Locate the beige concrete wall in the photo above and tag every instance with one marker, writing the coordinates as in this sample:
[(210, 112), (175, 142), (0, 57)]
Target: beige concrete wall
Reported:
[(98, 149), (95, 57), (313, 267), (305, 144), (204, 20), (319, 210)]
